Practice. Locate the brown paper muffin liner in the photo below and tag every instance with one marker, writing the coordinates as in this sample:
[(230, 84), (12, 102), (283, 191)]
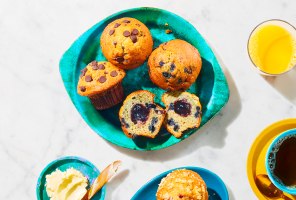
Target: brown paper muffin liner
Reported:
[(108, 98)]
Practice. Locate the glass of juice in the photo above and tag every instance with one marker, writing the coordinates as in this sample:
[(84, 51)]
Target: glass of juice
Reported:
[(272, 47)]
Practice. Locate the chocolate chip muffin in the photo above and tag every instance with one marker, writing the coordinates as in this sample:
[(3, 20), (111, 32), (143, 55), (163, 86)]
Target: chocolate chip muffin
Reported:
[(139, 116), (183, 111), (126, 43), (182, 184), (174, 65), (101, 83)]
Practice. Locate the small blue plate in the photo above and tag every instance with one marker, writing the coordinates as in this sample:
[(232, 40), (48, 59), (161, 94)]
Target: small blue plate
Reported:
[(215, 186), (80, 164)]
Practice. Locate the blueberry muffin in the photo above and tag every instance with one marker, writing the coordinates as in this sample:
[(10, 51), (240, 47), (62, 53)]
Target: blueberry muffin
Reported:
[(182, 184), (183, 111), (101, 83), (174, 65), (139, 116), (126, 43)]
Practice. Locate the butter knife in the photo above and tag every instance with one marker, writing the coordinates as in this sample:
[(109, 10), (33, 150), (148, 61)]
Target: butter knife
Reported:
[(100, 181)]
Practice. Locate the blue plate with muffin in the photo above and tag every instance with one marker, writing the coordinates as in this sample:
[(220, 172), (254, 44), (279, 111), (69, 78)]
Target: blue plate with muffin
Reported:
[(184, 182), (109, 62)]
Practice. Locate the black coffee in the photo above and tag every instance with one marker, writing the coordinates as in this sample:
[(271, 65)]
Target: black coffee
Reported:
[(284, 164)]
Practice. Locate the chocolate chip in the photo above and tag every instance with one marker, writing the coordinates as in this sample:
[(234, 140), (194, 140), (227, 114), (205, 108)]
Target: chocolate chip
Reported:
[(180, 80), (82, 89), (94, 67), (166, 75), (116, 25), (126, 21), (135, 32), (101, 67), (134, 38), (88, 78), (94, 63), (126, 33), (119, 59), (122, 47), (115, 43), (83, 72), (173, 66), (111, 32), (102, 79), (161, 63), (186, 70), (114, 73)]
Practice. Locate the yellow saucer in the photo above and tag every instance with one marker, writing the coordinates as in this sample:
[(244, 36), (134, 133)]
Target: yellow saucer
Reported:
[(256, 157)]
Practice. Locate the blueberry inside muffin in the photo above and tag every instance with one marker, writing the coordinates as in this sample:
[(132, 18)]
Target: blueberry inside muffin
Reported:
[(183, 111), (139, 116)]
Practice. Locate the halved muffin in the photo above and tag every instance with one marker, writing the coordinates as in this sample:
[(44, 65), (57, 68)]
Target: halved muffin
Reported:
[(183, 111), (139, 115)]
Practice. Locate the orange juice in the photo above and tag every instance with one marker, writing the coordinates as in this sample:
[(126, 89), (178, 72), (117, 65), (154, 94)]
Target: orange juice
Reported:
[(273, 49)]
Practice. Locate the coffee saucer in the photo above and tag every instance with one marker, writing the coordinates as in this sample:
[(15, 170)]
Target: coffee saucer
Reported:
[(256, 157)]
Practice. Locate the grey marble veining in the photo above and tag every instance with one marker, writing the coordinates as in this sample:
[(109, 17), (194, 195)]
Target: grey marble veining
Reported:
[(38, 122)]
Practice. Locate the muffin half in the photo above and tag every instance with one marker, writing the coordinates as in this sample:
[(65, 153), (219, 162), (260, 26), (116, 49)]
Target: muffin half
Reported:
[(140, 116), (183, 111)]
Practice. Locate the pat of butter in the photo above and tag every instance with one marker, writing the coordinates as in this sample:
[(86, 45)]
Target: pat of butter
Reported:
[(68, 185)]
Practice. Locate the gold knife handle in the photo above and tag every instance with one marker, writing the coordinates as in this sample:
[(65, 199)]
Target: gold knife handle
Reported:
[(103, 178)]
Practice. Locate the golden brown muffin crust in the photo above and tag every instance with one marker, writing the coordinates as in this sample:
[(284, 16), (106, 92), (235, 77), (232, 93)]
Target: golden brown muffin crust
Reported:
[(174, 65), (127, 43), (98, 77), (182, 184)]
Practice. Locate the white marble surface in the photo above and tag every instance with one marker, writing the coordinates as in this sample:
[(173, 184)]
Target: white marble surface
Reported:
[(38, 122)]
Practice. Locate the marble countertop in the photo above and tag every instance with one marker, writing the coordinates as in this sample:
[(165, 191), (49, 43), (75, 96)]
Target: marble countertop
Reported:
[(39, 123)]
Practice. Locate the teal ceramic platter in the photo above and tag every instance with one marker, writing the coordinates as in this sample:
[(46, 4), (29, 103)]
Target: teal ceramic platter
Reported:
[(215, 186), (80, 164), (211, 86)]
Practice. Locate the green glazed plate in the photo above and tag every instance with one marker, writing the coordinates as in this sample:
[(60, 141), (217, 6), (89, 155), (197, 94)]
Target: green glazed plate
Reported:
[(80, 164), (211, 86)]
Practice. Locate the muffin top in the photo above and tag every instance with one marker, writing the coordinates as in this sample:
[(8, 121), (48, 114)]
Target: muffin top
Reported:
[(182, 184), (98, 77), (174, 65), (126, 42)]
